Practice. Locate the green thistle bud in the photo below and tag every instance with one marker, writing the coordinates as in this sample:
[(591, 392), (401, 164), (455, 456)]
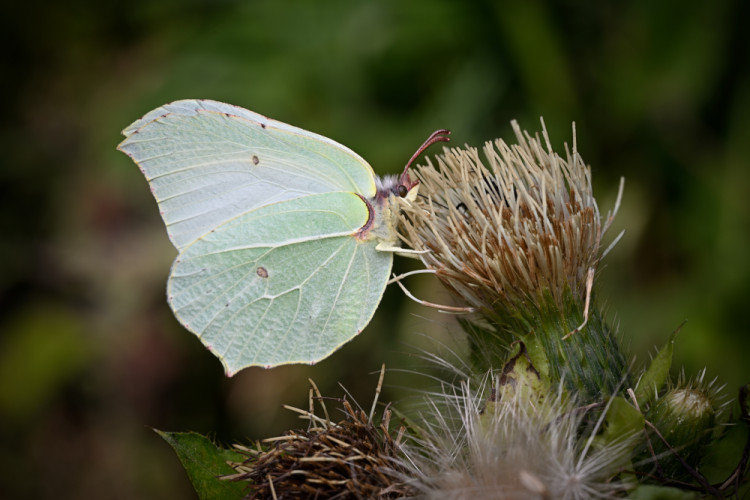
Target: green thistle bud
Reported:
[(683, 420), (517, 236)]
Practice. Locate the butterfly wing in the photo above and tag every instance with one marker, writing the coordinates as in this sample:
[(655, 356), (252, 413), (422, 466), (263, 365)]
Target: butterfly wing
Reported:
[(208, 162), (285, 283)]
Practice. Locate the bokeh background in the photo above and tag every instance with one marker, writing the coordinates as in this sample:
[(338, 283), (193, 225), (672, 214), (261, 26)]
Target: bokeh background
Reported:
[(90, 356)]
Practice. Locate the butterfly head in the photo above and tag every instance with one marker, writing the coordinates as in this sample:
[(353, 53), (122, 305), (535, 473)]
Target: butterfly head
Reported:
[(403, 186), (399, 186)]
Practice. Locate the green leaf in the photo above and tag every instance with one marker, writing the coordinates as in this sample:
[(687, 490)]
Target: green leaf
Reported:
[(622, 422), (521, 377), (204, 462), (745, 401), (656, 374), (652, 492)]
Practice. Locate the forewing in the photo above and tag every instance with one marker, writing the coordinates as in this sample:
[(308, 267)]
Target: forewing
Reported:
[(285, 283), (209, 162)]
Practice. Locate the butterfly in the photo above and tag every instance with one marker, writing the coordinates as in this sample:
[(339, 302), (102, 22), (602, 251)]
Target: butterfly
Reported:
[(285, 237)]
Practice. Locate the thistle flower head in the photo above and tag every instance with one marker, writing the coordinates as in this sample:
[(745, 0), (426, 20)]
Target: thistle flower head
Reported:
[(504, 229)]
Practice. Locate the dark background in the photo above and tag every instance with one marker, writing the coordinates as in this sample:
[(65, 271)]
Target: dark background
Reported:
[(90, 355)]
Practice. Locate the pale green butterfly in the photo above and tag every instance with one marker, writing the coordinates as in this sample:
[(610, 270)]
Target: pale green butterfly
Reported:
[(285, 237)]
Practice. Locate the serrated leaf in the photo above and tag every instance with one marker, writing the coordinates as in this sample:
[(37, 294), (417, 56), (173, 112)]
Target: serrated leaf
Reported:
[(656, 374), (204, 462)]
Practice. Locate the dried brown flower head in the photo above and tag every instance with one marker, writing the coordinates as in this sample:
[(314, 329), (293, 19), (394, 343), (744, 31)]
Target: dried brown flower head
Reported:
[(520, 223), (353, 458)]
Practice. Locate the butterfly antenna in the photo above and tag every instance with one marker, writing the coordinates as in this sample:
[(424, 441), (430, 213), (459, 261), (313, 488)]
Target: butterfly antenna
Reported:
[(437, 136)]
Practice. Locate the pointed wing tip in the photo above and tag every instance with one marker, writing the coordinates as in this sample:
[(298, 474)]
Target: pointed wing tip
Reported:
[(121, 146)]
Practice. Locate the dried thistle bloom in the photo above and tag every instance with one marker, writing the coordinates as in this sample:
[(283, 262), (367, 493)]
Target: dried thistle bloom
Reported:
[(523, 224), (353, 458), (517, 236)]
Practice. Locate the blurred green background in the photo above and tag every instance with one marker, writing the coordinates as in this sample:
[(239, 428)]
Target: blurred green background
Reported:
[(90, 354)]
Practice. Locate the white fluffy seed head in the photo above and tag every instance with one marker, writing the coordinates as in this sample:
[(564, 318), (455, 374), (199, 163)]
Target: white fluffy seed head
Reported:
[(474, 449)]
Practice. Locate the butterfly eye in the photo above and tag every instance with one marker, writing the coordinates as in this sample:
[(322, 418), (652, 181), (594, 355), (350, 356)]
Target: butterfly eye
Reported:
[(402, 191)]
